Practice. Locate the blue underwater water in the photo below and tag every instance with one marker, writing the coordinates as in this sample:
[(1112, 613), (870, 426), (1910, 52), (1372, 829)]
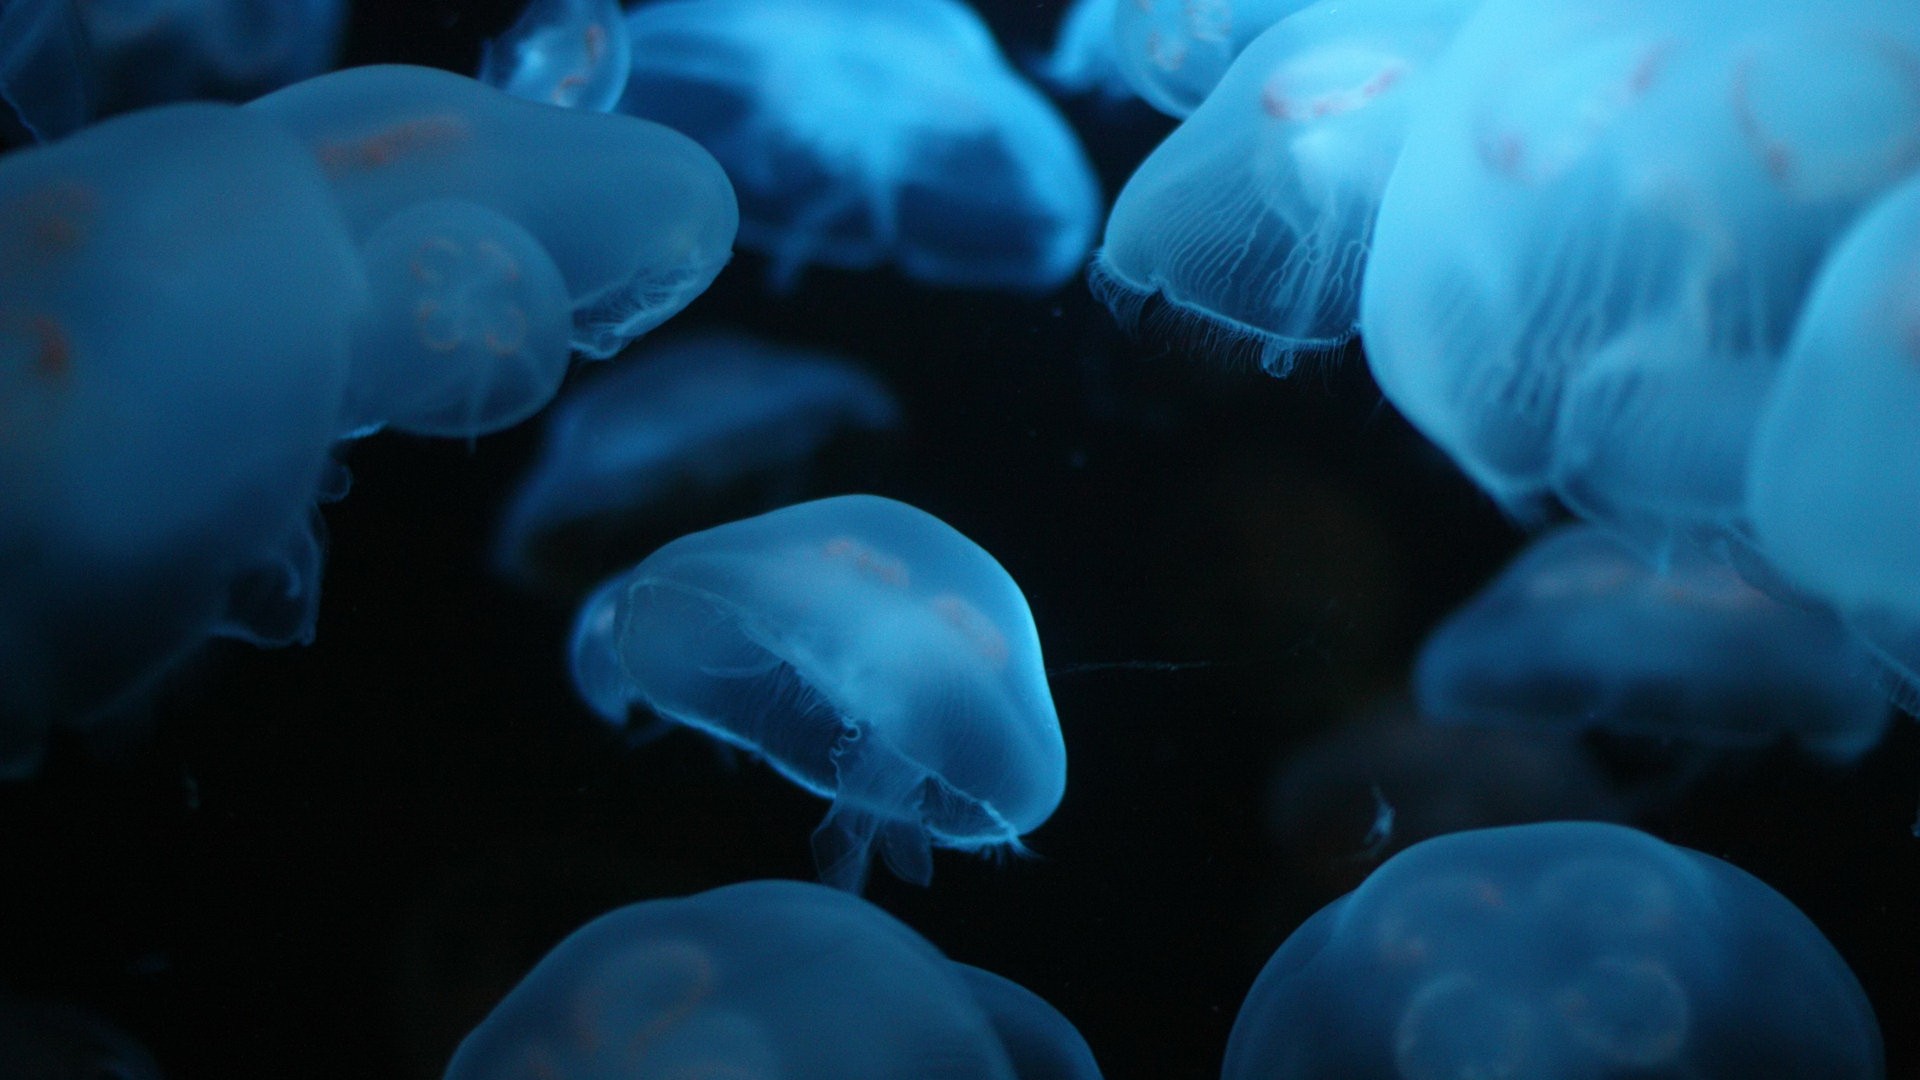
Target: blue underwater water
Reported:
[(436, 639)]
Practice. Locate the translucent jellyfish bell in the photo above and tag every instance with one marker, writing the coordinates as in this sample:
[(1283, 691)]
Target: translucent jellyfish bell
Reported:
[(151, 51), (1652, 181), (46, 67), (1581, 632), (571, 53), (1579, 951), (763, 979), (859, 134), (639, 220), (1085, 55), (1252, 220), (1174, 52), (467, 330), (870, 653)]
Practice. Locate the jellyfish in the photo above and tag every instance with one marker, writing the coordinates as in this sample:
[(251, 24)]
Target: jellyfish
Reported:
[(687, 417), (1576, 950), (1041, 1043), (1580, 631), (1644, 188), (773, 979), (572, 53), (859, 133), (1173, 52), (871, 654), (145, 52), (177, 297), (1084, 58), (46, 68), (638, 222), (1251, 222)]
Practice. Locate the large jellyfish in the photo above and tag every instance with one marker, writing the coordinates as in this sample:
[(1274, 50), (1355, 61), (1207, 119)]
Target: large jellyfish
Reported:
[(1578, 951), (1579, 631), (689, 416), (1173, 52), (869, 652), (778, 980), (1252, 220), (177, 294), (861, 133), (573, 53), (1605, 206), (638, 221)]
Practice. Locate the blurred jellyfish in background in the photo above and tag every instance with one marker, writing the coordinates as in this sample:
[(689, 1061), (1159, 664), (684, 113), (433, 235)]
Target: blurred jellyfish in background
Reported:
[(46, 68), (58, 1042), (1579, 951), (1251, 222), (673, 423), (572, 53), (1173, 52), (638, 222), (161, 452), (1603, 205), (858, 134), (1084, 58), (1580, 632), (866, 650), (151, 51), (764, 979)]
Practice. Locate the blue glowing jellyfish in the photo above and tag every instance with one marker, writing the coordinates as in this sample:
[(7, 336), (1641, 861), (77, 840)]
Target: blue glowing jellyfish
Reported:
[(638, 222), (764, 979), (1084, 59), (1636, 194), (688, 416), (859, 133), (1578, 951), (46, 68), (1251, 222), (573, 53), (177, 297), (1579, 631), (1173, 52), (870, 653)]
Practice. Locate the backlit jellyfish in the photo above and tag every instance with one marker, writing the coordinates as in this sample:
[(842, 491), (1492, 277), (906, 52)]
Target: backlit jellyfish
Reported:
[(1580, 632), (1173, 52), (1252, 220), (1644, 187), (769, 980), (1578, 951), (1041, 1043), (151, 51), (46, 68), (868, 652), (1084, 59), (160, 449), (572, 53), (39, 1041), (638, 222), (467, 327), (861, 133), (685, 417)]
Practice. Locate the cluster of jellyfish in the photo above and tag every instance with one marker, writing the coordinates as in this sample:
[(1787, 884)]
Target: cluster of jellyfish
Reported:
[(1658, 263)]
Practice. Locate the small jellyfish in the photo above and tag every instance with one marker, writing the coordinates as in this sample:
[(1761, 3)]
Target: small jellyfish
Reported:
[(46, 68), (1578, 951), (1085, 58), (571, 53), (1579, 631), (639, 221), (1173, 52), (177, 297), (1644, 186), (859, 133), (467, 328), (765, 979), (867, 651), (682, 418), (1251, 222)]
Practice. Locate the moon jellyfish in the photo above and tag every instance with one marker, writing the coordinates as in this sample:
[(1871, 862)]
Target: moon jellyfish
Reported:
[(572, 53), (1579, 951), (638, 222), (867, 651), (46, 70), (1642, 186), (149, 51), (176, 301), (773, 979), (1173, 52), (1041, 1043), (1579, 631), (1252, 220), (861, 133), (1084, 58), (686, 417)]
